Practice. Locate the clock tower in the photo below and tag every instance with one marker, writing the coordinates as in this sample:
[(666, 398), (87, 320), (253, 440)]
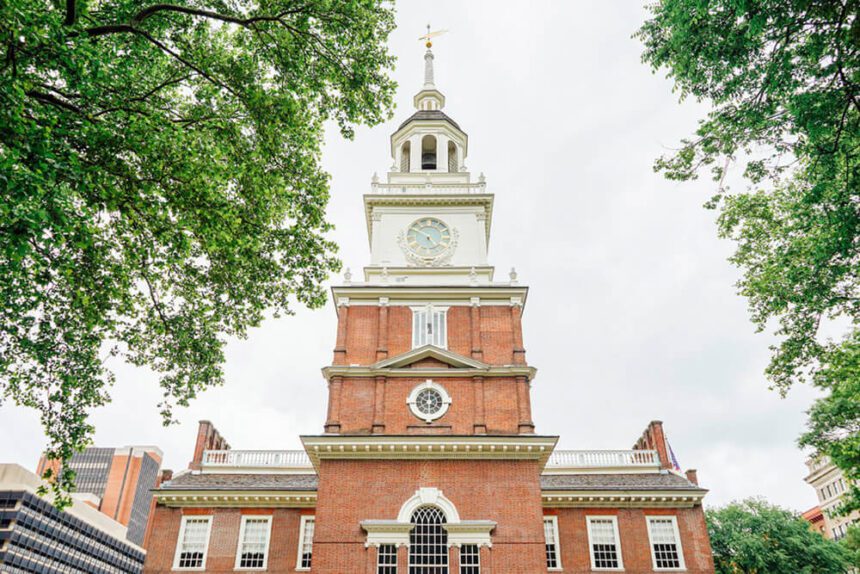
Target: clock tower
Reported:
[(429, 414)]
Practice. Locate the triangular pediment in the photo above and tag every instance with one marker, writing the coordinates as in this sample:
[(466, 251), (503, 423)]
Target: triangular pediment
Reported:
[(428, 354)]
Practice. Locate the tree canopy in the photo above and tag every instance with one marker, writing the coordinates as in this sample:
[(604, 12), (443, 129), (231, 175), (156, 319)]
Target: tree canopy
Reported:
[(754, 537), (783, 80), (161, 186)]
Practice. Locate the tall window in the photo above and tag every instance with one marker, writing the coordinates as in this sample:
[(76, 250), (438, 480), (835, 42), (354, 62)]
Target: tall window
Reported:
[(470, 559), (429, 327), (428, 152), (550, 532), (386, 559), (428, 542), (306, 543), (193, 543), (603, 543), (254, 542), (665, 543)]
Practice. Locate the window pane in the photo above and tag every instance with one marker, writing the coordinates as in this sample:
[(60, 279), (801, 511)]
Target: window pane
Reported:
[(428, 542), (192, 547), (603, 544), (386, 562), (550, 537), (470, 559), (664, 544), (254, 543), (307, 543)]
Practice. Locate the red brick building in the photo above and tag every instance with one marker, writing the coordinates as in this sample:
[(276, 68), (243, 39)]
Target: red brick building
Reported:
[(429, 462)]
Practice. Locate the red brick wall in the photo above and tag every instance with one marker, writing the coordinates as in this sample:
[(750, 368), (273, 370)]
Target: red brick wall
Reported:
[(224, 538), (362, 333), (633, 531), (501, 406), (507, 492)]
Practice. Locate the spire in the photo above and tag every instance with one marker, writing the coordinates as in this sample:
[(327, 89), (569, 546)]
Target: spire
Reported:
[(429, 98), (429, 84)]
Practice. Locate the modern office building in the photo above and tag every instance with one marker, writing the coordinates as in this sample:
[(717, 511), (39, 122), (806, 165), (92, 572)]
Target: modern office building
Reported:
[(36, 537), (121, 480)]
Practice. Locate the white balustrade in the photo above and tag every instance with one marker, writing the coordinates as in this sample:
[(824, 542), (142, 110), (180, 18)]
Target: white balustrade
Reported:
[(432, 189), (603, 458), (256, 458), (298, 459)]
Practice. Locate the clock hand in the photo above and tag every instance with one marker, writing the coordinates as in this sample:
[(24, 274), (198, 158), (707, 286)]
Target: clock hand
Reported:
[(432, 241)]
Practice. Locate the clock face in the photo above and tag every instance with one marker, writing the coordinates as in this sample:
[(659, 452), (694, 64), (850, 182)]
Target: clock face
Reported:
[(428, 237)]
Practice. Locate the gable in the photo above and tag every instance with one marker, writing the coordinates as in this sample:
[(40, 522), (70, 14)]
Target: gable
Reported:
[(430, 357)]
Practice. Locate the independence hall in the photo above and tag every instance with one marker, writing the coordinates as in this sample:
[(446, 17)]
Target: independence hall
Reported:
[(429, 460)]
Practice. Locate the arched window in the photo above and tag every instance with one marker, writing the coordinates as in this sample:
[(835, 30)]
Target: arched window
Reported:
[(428, 152), (405, 153), (428, 542), (452, 157)]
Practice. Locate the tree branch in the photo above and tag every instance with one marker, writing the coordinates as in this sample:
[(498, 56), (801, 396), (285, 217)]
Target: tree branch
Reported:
[(71, 13)]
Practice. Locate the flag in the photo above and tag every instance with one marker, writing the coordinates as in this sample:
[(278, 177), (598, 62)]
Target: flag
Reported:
[(674, 460)]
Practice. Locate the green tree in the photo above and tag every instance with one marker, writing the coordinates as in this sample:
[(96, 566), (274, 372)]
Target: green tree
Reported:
[(783, 80), (161, 186), (754, 537), (851, 543)]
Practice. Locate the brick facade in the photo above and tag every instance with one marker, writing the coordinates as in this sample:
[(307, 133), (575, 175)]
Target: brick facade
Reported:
[(472, 455)]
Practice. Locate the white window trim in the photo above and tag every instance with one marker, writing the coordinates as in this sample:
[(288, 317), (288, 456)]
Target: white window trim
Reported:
[(179, 538), (554, 519), (430, 309), (305, 519), (674, 520), (245, 520), (412, 401), (614, 519)]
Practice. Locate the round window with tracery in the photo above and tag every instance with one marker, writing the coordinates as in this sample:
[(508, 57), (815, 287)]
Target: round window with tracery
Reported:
[(428, 401)]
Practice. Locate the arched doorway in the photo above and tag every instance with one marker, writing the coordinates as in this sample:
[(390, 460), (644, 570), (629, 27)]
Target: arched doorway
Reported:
[(428, 542)]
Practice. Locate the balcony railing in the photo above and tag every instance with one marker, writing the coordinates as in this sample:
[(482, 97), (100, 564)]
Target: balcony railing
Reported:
[(298, 461), (256, 459), (426, 188), (587, 459)]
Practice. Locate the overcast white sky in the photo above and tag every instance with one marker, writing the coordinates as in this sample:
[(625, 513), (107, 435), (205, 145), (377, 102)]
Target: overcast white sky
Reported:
[(632, 313)]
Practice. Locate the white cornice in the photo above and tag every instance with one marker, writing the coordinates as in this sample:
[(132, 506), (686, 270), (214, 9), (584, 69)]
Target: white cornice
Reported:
[(369, 371), (237, 498), (402, 447), (622, 498), (411, 295)]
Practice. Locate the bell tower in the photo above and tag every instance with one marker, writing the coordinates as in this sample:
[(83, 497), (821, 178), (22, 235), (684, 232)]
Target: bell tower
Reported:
[(429, 411), (429, 222)]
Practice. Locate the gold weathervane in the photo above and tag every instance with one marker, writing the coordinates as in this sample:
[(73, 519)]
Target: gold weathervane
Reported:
[(430, 35)]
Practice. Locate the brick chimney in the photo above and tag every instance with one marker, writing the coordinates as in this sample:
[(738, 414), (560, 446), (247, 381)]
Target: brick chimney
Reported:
[(654, 439), (692, 476), (208, 438)]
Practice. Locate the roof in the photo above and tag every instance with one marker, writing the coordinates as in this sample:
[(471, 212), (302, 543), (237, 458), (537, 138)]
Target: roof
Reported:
[(429, 115), (645, 481), (196, 481)]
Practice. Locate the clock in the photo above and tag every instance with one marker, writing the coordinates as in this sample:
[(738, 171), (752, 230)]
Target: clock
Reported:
[(428, 237)]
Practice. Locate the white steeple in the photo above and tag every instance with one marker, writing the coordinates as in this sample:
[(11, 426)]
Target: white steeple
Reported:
[(428, 223)]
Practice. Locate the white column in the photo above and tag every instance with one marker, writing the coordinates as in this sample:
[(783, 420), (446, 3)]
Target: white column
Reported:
[(415, 152), (441, 152)]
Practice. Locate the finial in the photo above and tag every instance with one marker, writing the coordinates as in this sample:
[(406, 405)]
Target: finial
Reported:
[(429, 36), (347, 276), (375, 178), (513, 275)]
